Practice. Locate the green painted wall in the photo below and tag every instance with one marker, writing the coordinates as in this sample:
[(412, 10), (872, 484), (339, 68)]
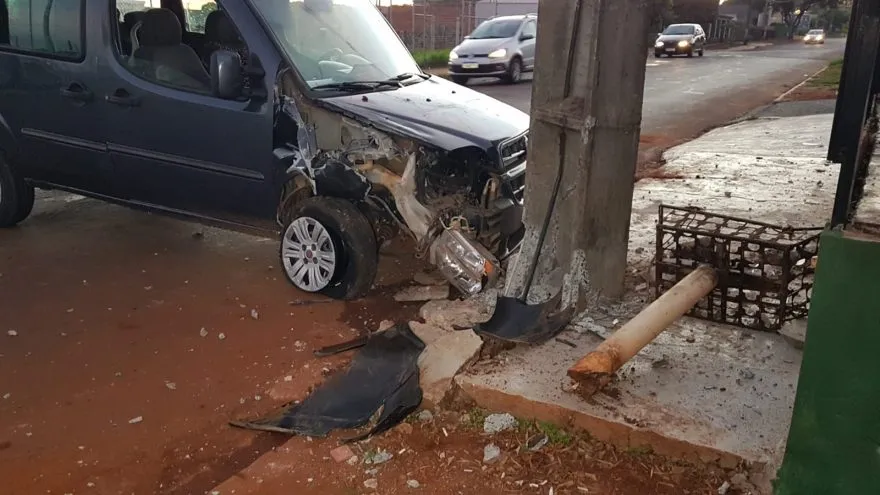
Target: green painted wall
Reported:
[(834, 442)]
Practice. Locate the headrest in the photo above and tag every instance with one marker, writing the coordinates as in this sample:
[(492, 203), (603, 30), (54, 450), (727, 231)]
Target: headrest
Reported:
[(219, 28), (132, 18), (159, 27)]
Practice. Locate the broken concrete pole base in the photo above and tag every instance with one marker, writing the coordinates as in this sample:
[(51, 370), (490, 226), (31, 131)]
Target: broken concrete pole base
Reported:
[(446, 353), (459, 313), (421, 293), (591, 371)]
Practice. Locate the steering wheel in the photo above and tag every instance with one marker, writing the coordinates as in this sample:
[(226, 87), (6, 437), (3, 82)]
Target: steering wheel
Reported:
[(332, 55)]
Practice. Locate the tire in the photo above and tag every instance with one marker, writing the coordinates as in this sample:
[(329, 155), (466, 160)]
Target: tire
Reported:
[(462, 80), (700, 53), (514, 72), (349, 241), (690, 53), (16, 197), (656, 55)]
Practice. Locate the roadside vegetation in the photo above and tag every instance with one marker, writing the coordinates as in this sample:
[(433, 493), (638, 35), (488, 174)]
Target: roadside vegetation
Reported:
[(431, 59), (829, 78)]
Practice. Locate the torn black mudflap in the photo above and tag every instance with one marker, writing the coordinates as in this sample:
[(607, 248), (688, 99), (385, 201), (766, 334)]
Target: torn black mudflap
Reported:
[(384, 374)]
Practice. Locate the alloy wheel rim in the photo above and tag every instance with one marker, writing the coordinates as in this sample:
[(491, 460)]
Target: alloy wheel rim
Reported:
[(308, 254)]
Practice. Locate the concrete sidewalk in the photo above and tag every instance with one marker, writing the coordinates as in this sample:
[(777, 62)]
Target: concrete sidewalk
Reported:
[(701, 390)]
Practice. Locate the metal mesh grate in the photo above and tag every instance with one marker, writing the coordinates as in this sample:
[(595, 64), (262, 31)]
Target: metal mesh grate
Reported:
[(765, 272)]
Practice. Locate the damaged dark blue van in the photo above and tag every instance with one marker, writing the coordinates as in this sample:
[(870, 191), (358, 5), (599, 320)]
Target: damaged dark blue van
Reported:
[(304, 117)]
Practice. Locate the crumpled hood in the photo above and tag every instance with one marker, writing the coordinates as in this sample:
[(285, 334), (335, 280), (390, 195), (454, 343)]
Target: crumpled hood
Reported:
[(436, 112), (675, 37), (479, 46)]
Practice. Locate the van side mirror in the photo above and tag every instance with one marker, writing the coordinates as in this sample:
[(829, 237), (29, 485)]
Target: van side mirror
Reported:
[(227, 80)]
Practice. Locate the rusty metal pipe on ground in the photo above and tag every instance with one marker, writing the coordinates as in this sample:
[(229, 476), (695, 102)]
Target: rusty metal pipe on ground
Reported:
[(597, 368)]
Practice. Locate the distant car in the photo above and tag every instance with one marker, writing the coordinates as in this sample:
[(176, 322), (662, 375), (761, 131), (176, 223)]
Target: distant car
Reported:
[(502, 47), (815, 36), (681, 39)]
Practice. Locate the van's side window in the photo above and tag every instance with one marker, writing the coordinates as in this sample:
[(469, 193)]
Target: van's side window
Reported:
[(159, 44), (46, 27)]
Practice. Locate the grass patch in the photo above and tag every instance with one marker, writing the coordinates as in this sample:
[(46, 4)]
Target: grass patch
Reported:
[(476, 417), (555, 435), (429, 59), (640, 451), (829, 78)]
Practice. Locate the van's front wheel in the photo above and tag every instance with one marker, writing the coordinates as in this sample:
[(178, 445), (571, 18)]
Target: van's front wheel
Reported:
[(329, 247), (16, 196)]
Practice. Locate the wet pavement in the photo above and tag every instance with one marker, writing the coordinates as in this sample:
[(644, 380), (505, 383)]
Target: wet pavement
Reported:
[(698, 93)]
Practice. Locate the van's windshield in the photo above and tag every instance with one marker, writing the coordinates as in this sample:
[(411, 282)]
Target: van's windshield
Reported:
[(339, 44), (499, 28), (679, 29)]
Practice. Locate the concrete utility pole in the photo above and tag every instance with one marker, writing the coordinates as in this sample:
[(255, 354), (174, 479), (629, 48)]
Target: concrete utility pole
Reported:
[(586, 109)]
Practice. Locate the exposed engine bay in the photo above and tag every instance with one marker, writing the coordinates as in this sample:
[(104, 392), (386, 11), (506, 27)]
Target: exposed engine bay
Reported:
[(463, 207)]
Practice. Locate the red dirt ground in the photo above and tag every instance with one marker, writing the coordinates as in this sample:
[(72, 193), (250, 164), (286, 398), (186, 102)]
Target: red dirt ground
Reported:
[(445, 456)]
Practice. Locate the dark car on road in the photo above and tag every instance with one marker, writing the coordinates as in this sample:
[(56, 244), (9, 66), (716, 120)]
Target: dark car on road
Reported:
[(681, 39), (502, 47), (305, 120)]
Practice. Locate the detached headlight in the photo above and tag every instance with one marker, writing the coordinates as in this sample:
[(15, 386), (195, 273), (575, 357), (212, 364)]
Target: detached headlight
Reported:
[(500, 53), (658, 44), (466, 264), (684, 43), (453, 56)]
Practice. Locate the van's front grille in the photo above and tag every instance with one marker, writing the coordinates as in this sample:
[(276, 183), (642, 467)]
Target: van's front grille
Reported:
[(514, 151)]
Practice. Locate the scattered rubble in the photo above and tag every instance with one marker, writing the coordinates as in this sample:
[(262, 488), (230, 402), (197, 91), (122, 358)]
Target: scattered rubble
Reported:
[(255, 314), (377, 457), (496, 423), (458, 314), (134, 421), (203, 332), (429, 278), (342, 453), (537, 442), (724, 488), (445, 354), (171, 385), (372, 484), (491, 453), (421, 293), (425, 416), (12, 333), (413, 484), (222, 336)]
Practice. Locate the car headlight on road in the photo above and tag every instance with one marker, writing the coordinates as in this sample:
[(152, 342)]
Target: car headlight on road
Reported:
[(499, 53), (453, 56), (658, 44), (683, 43)]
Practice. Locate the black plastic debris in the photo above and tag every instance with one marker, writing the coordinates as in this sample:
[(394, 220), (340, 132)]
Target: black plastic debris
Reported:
[(384, 374), (516, 321)]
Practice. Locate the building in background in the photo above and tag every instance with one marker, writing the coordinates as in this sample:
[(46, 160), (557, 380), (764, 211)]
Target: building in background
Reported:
[(486, 9)]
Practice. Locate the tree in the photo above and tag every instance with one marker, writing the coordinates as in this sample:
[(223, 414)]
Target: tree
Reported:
[(793, 11)]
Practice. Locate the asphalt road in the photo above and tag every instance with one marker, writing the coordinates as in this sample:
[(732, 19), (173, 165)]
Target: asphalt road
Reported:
[(694, 88)]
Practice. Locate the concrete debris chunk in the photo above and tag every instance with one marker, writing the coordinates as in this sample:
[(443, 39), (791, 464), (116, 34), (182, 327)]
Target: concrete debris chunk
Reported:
[(378, 457), (496, 423), (724, 488), (342, 453), (445, 354), (372, 484), (429, 278), (426, 416), (421, 293), (491, 453), (134, 421), (413, 484), (457, 314)]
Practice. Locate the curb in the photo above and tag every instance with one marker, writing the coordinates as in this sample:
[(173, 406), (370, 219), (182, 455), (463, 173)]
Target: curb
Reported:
[(792, 90)]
